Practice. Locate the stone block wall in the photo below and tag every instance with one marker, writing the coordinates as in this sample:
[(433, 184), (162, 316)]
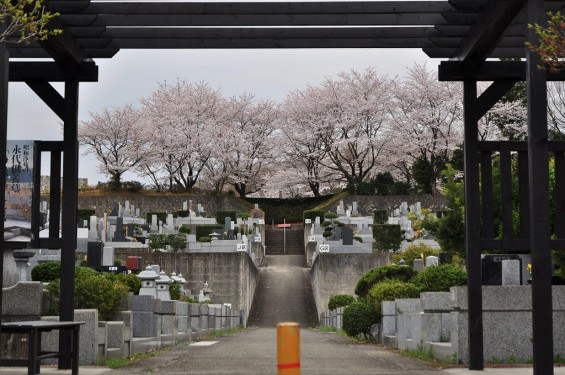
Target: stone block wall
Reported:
[(339, 273)]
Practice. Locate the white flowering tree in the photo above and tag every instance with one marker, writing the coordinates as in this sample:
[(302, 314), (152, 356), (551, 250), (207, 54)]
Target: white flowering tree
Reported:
[(116, 137)]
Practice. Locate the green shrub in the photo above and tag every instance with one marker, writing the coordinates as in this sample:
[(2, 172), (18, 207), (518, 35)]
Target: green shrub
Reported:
[(176, 241), (221, 216), (46, 272), (389, 290), (387, 237), (358, 238), (182, 213), (161, 216), (358, 318), (380, 217), (326, 223), (175, 291), (205, 239), (85, 214), (330, 215), (157, 241), (327, 233), (92, 291), (378, 274), (185, 229), (131, 281), (440, 278), (206, 230), (313, 214), (339, 300), (414, 252)]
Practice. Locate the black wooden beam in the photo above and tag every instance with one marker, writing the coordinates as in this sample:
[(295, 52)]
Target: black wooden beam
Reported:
[(488, 30), (490, 71), (21, 71), (492, 95), (63, 48), (4, 81), (49, 95)]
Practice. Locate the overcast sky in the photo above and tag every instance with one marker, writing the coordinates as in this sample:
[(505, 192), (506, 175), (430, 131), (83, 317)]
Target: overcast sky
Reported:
[(133, 74)]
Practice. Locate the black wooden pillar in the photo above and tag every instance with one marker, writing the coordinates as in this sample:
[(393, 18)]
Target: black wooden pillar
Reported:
[(70, 202), (4, 82), (542, 309), (472, 227)]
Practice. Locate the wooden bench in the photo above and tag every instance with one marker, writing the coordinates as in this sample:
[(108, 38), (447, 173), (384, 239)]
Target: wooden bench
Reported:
[(34, 329)]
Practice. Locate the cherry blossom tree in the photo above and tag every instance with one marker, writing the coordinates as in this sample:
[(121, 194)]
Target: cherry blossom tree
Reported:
[(427, 118), (246, 142), (115, 136), (181, 122), (556, 109)]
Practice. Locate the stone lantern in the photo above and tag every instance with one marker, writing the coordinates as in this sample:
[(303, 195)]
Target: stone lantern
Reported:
[(179, 280), (163, 283), (205, 293), (148, 285)]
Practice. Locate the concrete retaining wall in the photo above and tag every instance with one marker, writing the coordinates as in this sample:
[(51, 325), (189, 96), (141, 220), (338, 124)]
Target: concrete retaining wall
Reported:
[(231, 276), (339, 273)]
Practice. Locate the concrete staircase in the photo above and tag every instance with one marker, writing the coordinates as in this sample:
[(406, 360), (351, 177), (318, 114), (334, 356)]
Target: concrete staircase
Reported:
[(275, 240)]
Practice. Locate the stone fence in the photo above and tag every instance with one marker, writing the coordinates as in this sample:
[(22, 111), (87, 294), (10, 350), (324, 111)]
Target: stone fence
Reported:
[(144, 324), (439, 322)]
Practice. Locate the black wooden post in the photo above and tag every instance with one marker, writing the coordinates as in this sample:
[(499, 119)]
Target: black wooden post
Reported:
[(542, 309), (5, 73), (472, 226), (69, 227)]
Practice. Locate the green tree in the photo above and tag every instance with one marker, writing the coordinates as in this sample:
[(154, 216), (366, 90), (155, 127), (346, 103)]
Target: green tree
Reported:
[(551, 46), (24, 21)]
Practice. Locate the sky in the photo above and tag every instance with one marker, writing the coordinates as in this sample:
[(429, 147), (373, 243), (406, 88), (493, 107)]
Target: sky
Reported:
[(133, 74)]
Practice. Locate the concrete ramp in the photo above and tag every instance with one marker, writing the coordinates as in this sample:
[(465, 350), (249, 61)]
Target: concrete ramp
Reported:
[(284, 293)]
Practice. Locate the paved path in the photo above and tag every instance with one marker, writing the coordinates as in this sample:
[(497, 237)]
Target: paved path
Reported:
[(284, 293)]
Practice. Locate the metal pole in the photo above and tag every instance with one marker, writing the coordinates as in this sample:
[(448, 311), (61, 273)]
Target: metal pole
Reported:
[(284, 236)]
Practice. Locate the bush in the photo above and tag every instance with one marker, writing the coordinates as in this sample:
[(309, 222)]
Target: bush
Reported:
[(132, 186), (440, 278), (326, 223), (161, 216), (376, 275), (313, 214), (157, 241), (330, 215), (340, 300), (182, 213), (46, 272), (414, 252), (131, 281), (92, 291), (389, 290), (205, 239), (387, 237), (85, 214), (175, 291), (380, 216), (221, 216), (358, 238), (185, 229), (176, 241), (358, 318), (327, 233), (206, 230)]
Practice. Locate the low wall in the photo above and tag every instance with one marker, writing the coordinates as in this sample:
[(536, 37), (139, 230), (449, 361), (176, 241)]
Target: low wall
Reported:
[(231, 276), (339, 273)]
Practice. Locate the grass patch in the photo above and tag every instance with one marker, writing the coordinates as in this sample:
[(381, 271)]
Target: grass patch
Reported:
[(427, 355), (327, 329), (115, 363)]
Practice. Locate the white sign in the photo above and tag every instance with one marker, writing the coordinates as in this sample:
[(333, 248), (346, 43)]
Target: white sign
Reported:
[(241, 247), (307, 221), (324, 249), (257, 239), (311, 238)]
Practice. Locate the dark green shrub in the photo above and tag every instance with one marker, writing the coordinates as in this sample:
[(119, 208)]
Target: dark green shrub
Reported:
[(176, 241), (46, 272), (85, 214), (358, 318), (358, 238), (182, 213), (185, 229), (327, 232), (339, 300), (161, 216), (440, 278), (206, 230), (326, 223), (185, 298), (205, 239), (313, 214), (378, 274), (330, 215), (389, 290), (131, 281), (175, 291), (132, 186), (380, 217), (387, 237), (415, 252), (221, 216), (92, 291), (157, 241), (81, 271)]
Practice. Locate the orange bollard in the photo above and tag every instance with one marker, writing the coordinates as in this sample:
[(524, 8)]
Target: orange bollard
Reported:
[(288, 348)]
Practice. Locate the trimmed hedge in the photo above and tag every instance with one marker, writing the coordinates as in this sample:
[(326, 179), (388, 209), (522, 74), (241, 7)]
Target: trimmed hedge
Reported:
[(85, 214), (46, 272), (182, 213), (161, 216), (389, 290), (358, 318), (387, 237), (380, 217), (221, 216), (313, 214), (340, 300), (378, 274), (206, 230), (440, 278)]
